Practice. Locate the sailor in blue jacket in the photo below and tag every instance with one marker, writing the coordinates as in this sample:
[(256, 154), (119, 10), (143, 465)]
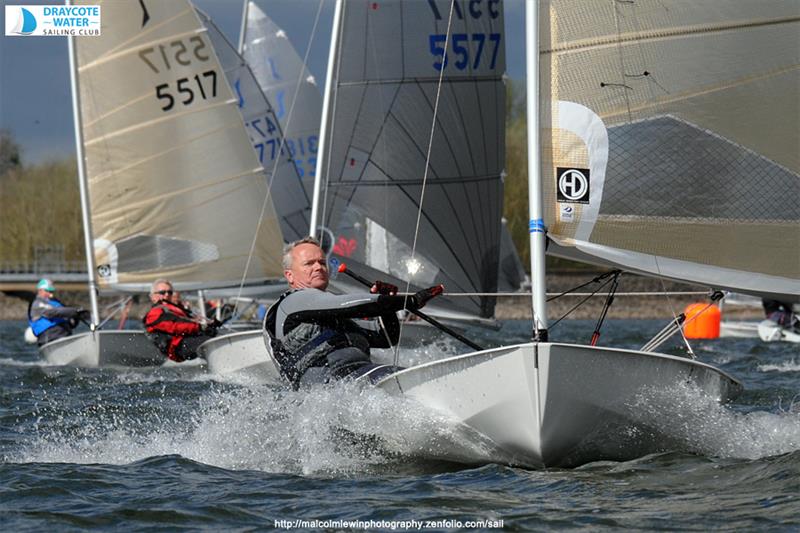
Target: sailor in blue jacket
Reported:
[(48, 318), (317, 336)]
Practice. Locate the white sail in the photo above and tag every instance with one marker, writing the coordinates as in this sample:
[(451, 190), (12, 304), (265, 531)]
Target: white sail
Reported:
[(297, 103), (176, 190), (385, 92), (672, 139), (274, 151)]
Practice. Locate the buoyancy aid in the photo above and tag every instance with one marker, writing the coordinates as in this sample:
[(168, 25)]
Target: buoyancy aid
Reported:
[(42, 324), (165, 325), (308, 344)]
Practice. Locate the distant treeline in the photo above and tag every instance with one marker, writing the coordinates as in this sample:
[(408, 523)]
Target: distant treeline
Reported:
[(40, 204)]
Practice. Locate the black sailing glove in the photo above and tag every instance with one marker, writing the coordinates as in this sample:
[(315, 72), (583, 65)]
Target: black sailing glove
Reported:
[(381, 287), (419, 299)]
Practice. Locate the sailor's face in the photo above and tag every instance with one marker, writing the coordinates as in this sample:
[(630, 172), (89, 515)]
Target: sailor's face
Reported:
[(309, 268), (162, 291)]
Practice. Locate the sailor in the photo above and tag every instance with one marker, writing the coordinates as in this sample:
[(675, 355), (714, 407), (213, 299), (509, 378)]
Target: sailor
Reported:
[(174, 332), (48, 318), (781, 313), (317, 336)]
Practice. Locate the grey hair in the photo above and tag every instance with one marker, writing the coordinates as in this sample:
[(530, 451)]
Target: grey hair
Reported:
[(158, 282), (287, 250)]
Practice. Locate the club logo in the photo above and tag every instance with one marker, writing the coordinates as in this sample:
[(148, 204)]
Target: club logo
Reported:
[(58, 20), (25, 21), (572, 185)]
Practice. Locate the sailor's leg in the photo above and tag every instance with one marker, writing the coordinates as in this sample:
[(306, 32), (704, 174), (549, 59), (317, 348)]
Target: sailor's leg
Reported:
[(187, 349)]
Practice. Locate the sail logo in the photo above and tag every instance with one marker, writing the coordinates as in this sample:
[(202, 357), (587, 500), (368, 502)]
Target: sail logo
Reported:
[(19, 21), (26, 21), (572, 185)]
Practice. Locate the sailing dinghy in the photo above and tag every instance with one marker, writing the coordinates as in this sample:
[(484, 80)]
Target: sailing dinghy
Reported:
[(658, 142), (162, 152)]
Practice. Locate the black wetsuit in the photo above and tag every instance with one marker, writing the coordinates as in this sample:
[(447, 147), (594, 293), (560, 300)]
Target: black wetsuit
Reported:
[(317, 336)]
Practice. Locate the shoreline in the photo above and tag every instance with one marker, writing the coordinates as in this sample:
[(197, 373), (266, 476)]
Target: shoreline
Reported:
[(513, 307)]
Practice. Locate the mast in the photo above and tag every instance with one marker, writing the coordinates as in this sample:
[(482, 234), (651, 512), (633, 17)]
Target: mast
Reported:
[(538, 239), (88, 240), (243, 27), (323, 127)]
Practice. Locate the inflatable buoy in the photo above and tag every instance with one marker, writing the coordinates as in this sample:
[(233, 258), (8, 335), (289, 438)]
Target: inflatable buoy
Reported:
[(30, 338), (702, 321)]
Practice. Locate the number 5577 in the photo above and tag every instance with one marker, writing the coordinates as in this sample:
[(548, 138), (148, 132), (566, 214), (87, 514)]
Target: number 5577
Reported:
[(461, 50)]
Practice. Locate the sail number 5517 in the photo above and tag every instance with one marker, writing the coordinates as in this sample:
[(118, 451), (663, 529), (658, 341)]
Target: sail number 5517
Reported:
[(188, 89), (459, 44)]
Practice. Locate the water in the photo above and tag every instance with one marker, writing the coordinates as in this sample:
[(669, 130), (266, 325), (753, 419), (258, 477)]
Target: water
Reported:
[(176, 448)]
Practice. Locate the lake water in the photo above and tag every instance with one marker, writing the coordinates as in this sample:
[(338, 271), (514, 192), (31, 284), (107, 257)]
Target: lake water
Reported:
[(177, 448)]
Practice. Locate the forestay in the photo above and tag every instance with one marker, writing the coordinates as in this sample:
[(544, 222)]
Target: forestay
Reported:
[(266, 135), (671, 139), (297, 102), (175, 186), (387, 74)]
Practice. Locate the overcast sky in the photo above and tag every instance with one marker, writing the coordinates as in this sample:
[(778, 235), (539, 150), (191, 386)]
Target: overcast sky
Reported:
[(35, 101)]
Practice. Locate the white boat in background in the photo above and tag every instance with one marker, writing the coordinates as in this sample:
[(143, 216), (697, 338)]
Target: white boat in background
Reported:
[(769, 331), (655, 163), (162, 147), (739, 328), (766, 330), (127, 348)]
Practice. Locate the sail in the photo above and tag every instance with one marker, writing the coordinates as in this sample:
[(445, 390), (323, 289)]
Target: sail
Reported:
[(175, 188), (671, 139), (266, 133), (387, 69), (297, 102)]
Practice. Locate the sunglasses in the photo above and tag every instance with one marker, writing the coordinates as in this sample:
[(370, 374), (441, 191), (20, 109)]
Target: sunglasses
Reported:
[(165, 293)]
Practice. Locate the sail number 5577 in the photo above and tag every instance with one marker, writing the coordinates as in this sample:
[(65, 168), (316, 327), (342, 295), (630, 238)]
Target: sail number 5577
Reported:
[(459, 44)]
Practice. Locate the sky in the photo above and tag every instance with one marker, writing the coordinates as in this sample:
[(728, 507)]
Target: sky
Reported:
[(35, 100)]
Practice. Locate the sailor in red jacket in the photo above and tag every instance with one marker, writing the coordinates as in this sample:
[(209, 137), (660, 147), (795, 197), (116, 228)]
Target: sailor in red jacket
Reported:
[(170, 327)]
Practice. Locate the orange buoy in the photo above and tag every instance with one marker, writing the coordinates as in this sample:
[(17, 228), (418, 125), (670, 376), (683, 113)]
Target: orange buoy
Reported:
[(702, 321)]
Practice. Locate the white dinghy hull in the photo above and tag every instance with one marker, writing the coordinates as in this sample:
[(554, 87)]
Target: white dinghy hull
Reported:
[(740, 329), (128, 348), (769, 331), (243, 353), (550, 404)]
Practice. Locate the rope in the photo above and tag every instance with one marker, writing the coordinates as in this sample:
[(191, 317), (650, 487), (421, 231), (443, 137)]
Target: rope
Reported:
[(565, 315), (606, 307)]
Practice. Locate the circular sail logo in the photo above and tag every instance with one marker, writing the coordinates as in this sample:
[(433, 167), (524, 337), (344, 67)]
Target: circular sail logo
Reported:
[(26, 23), (572, 185)]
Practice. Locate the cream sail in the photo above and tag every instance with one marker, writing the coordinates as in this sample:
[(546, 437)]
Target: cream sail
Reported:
[(672, 144), (170, 185), (176, 190)]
